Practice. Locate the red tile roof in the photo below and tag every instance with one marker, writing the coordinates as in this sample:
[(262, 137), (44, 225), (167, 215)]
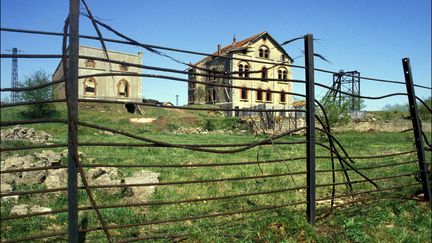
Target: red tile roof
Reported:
[(299, 103), (233, 46)]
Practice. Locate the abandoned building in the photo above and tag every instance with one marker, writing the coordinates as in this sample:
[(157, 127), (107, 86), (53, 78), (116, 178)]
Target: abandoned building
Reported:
[(128, 88), (261, 47)]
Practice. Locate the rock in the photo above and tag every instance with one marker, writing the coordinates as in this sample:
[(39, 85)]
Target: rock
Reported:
[(56, 178), (30, 177), (5, 188), (142, 120), (22, 209), (105, 176), (142, 193), (200, 130), (108, 133), (39, 209), (17, 162), (27, 134), (49, 157), (19, 209), (10, 199), (64, 153)]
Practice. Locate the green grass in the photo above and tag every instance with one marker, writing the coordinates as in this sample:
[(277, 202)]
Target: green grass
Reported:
[(387, 219)]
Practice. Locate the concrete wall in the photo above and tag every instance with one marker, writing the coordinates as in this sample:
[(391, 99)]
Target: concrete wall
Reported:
[(106, 87)]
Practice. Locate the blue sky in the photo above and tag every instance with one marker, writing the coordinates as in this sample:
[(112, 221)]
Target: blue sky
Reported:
[(371, 36)]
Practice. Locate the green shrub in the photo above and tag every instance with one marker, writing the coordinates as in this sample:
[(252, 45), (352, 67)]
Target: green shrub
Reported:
[(37, 110)]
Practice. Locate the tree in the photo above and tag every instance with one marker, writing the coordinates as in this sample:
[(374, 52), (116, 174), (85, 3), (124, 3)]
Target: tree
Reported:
[(337, 111), (37, 110), (424, 112)]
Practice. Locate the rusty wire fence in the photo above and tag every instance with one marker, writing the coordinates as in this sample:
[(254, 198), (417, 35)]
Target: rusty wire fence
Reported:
[(332, 178)]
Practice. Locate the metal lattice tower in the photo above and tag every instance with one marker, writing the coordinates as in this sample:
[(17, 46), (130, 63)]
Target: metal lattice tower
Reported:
[(348, 82), (14, 76)]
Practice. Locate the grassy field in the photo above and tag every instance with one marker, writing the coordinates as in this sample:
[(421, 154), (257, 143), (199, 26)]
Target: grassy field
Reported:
[(382, 216)]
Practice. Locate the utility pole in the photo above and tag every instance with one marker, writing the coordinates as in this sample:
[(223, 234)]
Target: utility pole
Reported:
[(177, 100), (14, 74)]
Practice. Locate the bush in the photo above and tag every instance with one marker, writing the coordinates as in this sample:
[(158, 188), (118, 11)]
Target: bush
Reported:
[(37, 110), (209, 125), (337, 113), (424, 112)]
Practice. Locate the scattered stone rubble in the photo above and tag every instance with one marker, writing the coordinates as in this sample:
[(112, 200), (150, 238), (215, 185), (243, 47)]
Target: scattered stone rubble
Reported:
[(200, 130), (25, 134), (22, 209), (54, 177)]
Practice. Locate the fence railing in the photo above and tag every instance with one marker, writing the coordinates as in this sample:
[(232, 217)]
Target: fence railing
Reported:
[(338, 155)]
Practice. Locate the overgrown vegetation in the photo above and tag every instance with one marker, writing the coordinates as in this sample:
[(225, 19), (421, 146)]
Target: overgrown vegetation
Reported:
[(382, 218), (39, 110), (397, 111), (337, 111)]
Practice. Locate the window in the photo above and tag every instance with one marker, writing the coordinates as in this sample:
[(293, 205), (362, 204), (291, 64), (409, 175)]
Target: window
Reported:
[(123, 88), (212, 74), (243, 70), (208, 96), (90, 87), (264, 74), (192, 74), (264, 52), (123, 67), (282, 74), (259, 94), (90, 63), (244, 94), (191, 85), (283, 58), (214, 95), (268, 95), (246, 71), (191, 98), (283, 97)]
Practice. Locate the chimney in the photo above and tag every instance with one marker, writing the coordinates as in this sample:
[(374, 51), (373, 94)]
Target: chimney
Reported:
[(234, 39), (219, 49)]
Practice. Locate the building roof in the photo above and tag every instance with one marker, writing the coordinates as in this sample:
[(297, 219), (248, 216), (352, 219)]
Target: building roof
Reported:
[(299, 103), (241, 45)]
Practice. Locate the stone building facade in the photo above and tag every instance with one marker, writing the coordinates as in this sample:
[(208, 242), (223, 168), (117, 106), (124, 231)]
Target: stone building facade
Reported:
[(261, 47), (127, 88)]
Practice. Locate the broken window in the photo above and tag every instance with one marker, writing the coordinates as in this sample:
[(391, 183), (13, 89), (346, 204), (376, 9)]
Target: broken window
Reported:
[(244, 94), (243, 70), (90, 87), (259, 94), (264, 52), (268, 95), (264, 74), (282, 97), (123, 88), (191, 74), (90, 63), (282, 74), (123, 67), (212, 74)]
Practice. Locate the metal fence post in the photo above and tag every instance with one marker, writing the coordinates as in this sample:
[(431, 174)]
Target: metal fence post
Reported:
[(72, 99), (415, 118), (310, 130)]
